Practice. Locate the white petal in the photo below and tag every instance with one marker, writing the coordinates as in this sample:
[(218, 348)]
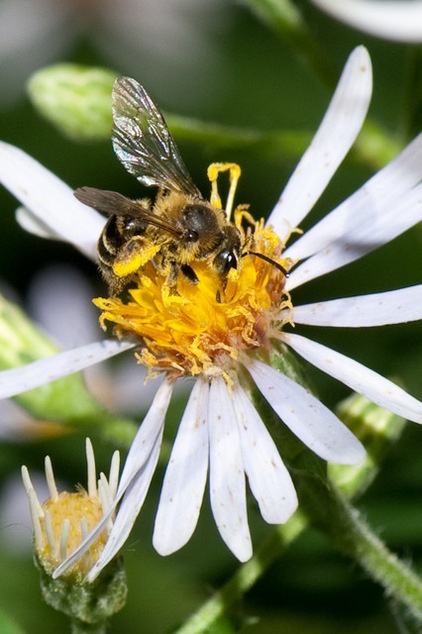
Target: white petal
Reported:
[(383, 222), (227, 478), (364, 206), (313, 423), (49, 199), (358, 377), (385, 203), (30, 223), (269, 480), (139, 468), (150, 428), (377, 309), (137, 474), (332, 141), (399, 21), (129, 509), (37, 373), (186, 476)]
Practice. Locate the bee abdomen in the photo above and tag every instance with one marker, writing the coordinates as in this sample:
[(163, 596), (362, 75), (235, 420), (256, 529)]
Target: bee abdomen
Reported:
[(115, 236), (109, 242)]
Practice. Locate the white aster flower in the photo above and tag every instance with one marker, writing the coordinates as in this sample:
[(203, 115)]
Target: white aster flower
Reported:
[(221, 436), (400, 21)]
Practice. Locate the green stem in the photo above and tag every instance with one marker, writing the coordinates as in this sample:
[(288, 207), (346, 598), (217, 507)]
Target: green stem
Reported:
[(351, 535), (245, 577), (354, 537), (270, 143), (374, 146)]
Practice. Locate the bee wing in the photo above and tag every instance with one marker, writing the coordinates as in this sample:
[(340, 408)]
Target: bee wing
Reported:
[(110, 203), (113, 203), (142, 140)]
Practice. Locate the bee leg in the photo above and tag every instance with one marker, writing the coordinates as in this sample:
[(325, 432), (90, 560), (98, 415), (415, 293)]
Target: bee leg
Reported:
[(116, 285), (172, 269), (189, 273)]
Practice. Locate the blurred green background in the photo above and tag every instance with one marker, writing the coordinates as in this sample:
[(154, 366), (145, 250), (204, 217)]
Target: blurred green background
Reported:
[(215, 61)]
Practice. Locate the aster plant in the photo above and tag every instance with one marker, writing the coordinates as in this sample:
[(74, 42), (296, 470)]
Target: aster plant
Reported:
[(233, 337)]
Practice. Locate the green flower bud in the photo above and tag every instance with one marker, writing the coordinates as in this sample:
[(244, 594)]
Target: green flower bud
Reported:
[(60, 524), (75, 99), (378, 429)]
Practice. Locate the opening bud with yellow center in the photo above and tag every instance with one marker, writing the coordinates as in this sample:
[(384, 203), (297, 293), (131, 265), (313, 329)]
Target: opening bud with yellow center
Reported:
[(60, 524)]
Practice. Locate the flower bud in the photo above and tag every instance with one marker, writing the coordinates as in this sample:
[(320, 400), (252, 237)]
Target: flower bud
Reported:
[(60, 524), (76, 99), (378, 429)]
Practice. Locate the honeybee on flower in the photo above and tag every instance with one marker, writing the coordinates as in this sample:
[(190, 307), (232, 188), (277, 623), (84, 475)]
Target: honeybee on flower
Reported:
[(180, 228)]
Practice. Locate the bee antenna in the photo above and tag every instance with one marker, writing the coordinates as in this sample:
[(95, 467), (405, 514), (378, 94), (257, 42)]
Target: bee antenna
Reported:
[(269, 260)]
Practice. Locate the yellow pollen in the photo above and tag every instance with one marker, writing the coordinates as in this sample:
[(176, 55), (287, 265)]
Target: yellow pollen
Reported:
[(200, 328), (66, 522)]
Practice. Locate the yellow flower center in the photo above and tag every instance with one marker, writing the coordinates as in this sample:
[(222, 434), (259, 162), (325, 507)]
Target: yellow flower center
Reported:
[(67, 520), (201, 328)]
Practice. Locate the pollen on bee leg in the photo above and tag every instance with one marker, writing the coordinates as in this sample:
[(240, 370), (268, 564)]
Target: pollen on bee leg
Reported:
[(134, 261)]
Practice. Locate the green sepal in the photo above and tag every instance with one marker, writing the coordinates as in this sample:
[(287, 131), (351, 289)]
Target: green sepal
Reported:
[(82, 601)]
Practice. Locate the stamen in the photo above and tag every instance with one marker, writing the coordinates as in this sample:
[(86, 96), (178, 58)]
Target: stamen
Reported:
[(213, 171), (234, 178)]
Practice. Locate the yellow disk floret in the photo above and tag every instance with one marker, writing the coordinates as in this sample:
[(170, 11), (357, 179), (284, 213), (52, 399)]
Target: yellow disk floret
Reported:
[(67, 520)]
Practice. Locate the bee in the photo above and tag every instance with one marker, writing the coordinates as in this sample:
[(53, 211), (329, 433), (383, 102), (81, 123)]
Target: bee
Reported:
[(176, 230)]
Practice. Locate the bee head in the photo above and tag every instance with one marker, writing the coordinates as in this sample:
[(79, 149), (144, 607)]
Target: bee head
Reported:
[(228, 255)]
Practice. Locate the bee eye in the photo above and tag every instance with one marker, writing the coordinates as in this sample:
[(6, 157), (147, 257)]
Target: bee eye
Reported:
[(225, 261)]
